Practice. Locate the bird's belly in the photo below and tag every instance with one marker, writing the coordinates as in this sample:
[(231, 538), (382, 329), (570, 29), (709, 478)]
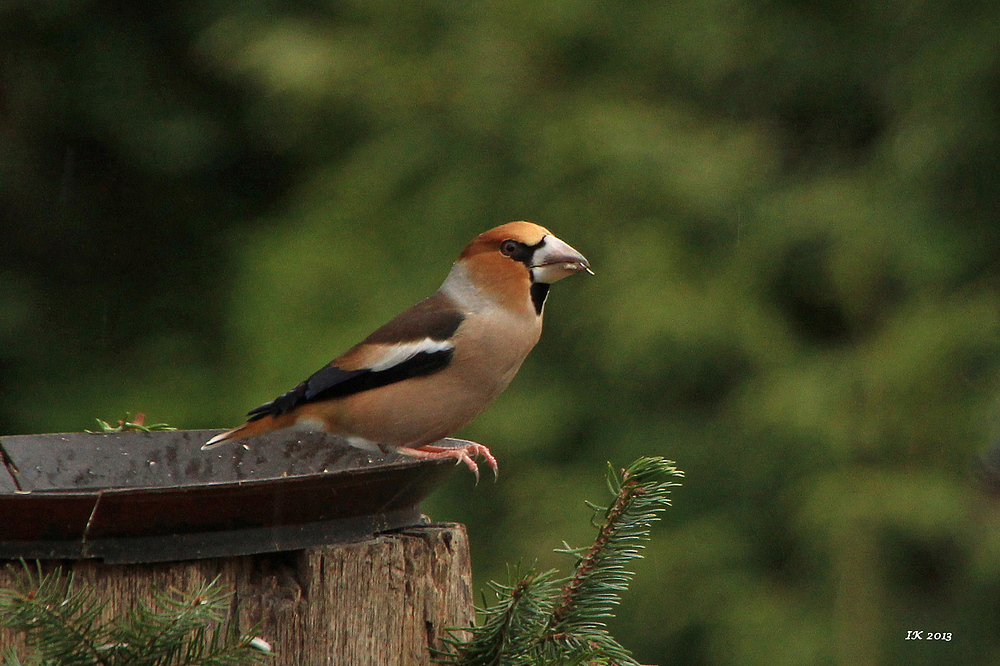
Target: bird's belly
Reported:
[(414, 412)]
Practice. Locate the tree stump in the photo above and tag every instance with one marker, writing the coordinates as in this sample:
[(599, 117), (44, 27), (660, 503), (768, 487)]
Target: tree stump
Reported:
[(385, 601)]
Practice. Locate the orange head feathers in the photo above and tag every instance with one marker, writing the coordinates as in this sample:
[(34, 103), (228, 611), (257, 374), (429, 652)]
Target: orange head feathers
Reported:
[(520, 257)]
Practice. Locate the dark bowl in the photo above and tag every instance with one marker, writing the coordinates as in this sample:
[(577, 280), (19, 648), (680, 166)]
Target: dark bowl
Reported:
[(156, 496)]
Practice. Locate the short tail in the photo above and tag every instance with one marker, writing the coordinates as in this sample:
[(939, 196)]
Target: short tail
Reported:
[(250, 429)]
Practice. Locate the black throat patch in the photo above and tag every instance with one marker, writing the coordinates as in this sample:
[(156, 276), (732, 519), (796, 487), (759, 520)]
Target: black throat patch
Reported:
[(539, 290)]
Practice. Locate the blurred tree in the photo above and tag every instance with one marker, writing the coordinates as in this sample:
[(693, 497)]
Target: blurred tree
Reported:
[(791, 208)]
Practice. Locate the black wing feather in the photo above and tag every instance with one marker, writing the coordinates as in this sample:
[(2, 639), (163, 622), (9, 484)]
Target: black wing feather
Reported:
[(333, 382)]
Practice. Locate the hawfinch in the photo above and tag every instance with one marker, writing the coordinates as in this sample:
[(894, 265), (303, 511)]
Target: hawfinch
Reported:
[(435, 367)]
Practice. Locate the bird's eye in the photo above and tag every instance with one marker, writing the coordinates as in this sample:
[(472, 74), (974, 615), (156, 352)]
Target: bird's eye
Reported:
[(509, 247)]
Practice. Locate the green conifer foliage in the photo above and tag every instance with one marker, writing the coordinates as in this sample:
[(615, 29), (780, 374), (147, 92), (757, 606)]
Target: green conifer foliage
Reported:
[(63, 627), (543, 619)]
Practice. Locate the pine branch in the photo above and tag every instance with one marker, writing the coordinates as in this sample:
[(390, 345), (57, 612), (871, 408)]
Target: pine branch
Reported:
[(55, 618), (175, 629), (545, 620), (511, 628), (577, 625), (10, 658)]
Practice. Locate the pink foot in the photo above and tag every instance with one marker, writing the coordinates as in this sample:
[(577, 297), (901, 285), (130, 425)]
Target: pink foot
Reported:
[(463, 452)]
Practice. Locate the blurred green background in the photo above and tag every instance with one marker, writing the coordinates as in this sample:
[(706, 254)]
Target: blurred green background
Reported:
[(791, 209)]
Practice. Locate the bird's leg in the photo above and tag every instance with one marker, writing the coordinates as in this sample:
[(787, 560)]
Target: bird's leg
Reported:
[(462, 451), (460, 455), (469, 448)]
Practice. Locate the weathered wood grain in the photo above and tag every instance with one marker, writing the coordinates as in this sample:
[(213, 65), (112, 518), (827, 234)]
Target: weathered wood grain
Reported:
[(383, 602)]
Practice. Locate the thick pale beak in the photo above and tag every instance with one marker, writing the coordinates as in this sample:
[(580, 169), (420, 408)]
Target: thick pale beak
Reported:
[(555, 260)]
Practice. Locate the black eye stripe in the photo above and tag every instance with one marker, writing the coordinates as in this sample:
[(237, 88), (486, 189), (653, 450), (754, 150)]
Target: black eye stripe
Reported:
[(519, 251)]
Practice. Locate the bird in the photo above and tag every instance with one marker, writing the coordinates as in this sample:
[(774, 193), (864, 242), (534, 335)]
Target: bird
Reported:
[(434, 367)]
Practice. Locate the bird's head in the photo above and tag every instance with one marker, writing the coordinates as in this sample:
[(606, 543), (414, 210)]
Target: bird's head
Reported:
[(520, 257)]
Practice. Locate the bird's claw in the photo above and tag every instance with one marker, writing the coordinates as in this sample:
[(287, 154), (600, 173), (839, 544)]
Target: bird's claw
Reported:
[(467, 450), (464, 457), (463, 451)]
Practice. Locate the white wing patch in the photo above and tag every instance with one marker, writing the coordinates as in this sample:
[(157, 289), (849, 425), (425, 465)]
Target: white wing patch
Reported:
[(393, 355)]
